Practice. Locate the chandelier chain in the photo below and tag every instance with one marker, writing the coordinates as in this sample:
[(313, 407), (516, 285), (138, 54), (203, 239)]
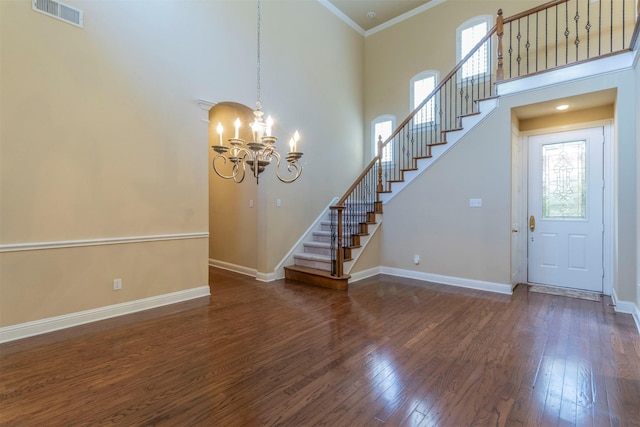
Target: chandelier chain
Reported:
[(258, 102)]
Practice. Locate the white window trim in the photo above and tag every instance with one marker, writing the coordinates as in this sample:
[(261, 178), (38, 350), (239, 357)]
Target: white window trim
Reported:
[(489, 19), (374, 137), (420, 76)]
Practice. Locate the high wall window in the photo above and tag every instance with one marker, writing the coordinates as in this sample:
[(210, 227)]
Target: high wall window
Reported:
[(383, 126), (468, 35), (422, 84)]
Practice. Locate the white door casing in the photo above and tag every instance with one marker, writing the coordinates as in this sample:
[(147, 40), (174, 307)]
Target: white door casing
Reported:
[(565, 204)]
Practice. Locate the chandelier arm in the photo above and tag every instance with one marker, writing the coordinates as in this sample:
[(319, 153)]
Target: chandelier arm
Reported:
[(241, 155), (293, 164), (234, 170)]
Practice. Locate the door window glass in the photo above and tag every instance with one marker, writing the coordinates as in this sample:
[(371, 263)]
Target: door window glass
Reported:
[(564, 180)]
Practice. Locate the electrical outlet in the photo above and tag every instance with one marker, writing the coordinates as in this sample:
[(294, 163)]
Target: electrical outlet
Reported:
[(117, 284)]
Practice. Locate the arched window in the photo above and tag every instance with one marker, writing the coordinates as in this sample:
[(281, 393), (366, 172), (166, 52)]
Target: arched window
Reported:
[(382, 127), (422, 84), (468, 35)]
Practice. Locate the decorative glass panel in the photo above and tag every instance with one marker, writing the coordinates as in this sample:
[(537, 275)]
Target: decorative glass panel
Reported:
[(564, 180)]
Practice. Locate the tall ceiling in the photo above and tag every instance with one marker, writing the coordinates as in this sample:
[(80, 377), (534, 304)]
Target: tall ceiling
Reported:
[(384, 10)]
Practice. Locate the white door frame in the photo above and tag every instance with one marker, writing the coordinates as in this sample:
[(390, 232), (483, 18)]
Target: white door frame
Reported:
[(519, 216)]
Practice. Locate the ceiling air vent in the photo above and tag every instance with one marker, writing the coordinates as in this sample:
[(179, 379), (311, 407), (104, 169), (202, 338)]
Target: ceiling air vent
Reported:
[(59, 10)]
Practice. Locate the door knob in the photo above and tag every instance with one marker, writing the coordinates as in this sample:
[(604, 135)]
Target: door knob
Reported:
[(532, 223)]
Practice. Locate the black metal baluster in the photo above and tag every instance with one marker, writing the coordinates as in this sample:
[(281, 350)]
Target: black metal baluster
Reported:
[(510, 48), (566, 33), (519, 57), (588, 28), (546, 39), (600, 28), (576, 18), (611, 29), (623, 23), (537, 44), (528, 44)]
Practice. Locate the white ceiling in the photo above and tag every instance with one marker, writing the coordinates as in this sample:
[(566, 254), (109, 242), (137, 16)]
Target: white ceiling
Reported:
[(384, 10)]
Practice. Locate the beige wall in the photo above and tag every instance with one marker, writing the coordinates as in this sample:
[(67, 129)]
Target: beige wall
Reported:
[(102, 138), (431, 217)]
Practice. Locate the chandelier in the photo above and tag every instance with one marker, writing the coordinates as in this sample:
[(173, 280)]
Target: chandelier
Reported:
[(259, 153)]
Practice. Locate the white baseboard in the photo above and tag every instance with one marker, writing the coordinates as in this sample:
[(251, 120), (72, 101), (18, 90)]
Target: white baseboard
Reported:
[(266, 277), (460, 282), (626, 307), (364, 274), (233, 267), (37, 327), (261, 277)]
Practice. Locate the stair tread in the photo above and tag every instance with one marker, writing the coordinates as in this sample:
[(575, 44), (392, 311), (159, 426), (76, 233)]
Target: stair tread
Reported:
[(469, 114), (318, 244), (451, 130), (312, 256)]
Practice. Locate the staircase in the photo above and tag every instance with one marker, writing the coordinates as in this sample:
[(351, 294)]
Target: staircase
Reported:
[(313, 263), (335, 241)]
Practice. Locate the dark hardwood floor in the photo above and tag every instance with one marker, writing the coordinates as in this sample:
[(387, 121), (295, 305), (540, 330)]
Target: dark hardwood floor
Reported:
[(390, 351)]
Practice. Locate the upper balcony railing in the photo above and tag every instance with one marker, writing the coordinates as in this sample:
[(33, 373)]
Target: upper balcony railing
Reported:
[(564, 32)]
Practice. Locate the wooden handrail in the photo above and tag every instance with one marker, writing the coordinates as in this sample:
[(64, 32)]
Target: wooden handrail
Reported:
[(358, 179), (534, 10)]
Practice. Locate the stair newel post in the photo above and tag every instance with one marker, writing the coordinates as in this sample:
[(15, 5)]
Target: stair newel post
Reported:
[(339, 261), (379, 187), (500, 33)]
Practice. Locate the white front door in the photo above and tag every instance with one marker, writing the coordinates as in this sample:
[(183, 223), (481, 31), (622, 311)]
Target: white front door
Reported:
[(565, 204)]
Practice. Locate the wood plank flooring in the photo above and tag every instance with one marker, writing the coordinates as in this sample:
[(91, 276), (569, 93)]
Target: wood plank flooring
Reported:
[(390, 351)]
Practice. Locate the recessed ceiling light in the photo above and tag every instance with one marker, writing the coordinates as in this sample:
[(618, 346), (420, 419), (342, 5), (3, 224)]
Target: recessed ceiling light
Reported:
[(562, 107), (371, 15)]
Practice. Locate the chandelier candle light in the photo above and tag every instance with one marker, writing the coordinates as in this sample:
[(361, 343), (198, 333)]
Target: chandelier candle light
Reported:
[(259, 153)]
